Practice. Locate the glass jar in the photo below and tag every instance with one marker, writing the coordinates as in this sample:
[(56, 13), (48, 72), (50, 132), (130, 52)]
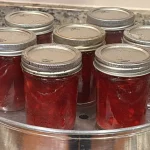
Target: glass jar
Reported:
[(122, 75), (40, 23), (51, 74), (113, 20), (86, 38), (138, 35), (12, 42)]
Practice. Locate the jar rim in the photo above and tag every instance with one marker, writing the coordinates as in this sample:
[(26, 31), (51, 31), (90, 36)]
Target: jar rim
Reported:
[(47, 60), (138, 34), (38, 29), (76, 35), (22, 39), (117, 60), (111, 24)]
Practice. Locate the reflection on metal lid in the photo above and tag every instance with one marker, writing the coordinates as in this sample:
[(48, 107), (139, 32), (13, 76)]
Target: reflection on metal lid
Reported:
[(33, 20), (138, 35), (14, 40), (51, 60), (122, 60), (111, 18), (51, 55), (79, 35)]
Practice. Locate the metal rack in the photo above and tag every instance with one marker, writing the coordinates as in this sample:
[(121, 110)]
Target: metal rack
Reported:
[(16, 135)]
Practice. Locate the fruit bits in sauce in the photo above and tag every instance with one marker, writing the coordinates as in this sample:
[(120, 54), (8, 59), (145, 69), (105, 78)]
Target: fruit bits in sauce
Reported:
[(51, 74), (122, 75)]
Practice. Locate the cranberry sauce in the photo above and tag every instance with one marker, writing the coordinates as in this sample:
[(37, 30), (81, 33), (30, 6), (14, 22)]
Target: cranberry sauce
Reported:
[(51, 74)]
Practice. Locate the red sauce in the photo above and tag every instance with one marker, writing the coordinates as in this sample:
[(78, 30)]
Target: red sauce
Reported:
[(51, 102), (44, 38), (86, 79), (114, 37), (11, 84), (121, 102)]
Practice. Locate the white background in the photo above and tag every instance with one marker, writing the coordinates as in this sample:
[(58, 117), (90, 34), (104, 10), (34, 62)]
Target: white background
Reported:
[(133, 4)]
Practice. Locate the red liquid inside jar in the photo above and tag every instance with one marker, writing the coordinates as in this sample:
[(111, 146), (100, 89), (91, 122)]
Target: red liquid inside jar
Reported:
[(44, 38), (86, 79), (51, 102), (114, 37), (11, 84), (121, 102)]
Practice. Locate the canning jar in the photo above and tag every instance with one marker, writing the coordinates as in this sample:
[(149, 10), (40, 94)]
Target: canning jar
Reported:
[(138, 35), (40, 23), (51, 74), (12, 42), (86, 38), (113, 20), (122, 75)]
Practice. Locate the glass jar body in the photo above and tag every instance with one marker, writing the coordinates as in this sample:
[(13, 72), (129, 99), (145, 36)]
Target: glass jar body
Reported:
[(44, 38), (121, 101), (86, 79), (51, 102), (146, 48), (114, 36), (12, 84)]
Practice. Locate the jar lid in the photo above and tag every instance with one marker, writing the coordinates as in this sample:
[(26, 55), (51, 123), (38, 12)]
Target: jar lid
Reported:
[(51, 60), (36, 21), (111, 18), (14, 40), (122, 60), (82, 36), (139, 35)]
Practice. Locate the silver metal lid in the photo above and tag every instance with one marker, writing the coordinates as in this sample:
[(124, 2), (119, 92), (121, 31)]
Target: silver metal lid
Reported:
[(14, 40), (111, 18), (52, 60), (122, 60), (138, 35), (36, 21), (82, 36)]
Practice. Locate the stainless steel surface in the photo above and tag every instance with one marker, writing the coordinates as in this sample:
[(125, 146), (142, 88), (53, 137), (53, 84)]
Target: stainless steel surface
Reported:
[(16, 135), (52, 60), (111, 18), (81, 36), (138, 35), (14, 40), (122, 60), (36, 21)]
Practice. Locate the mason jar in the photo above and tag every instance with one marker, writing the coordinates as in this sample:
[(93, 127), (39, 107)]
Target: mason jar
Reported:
[(39, 22), (51, 73), (138, 35), (122, 83), (113, 20), (86, 38), (13, 41)]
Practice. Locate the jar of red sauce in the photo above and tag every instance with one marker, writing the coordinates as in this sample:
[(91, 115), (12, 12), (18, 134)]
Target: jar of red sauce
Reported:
[(51, 75), (113, 20), (138, 35), (122, 75), (86, 38), (12, 42), (40, 23)]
